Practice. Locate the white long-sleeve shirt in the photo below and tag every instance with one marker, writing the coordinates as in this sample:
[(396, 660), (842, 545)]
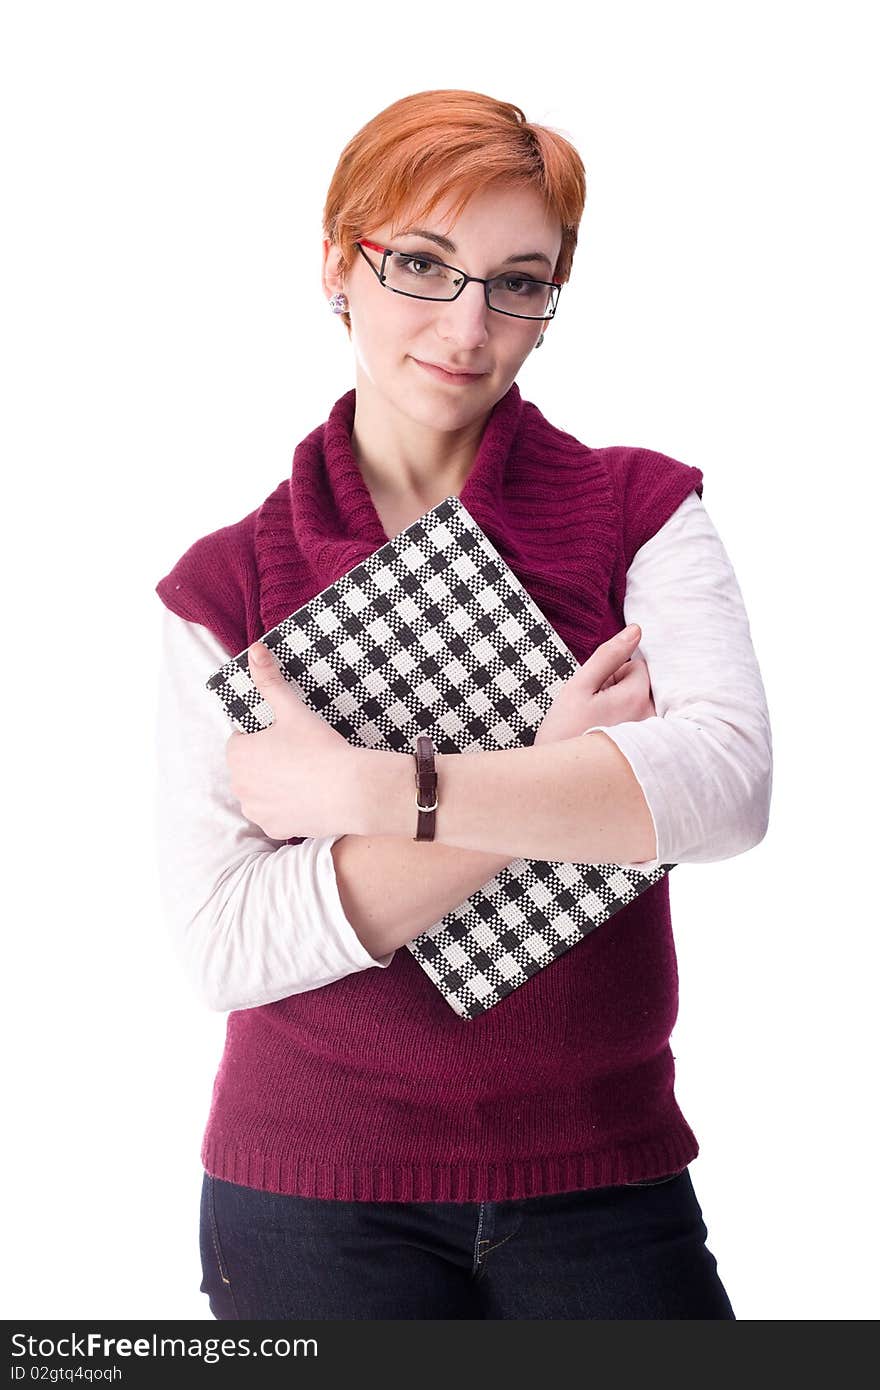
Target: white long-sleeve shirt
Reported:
[(255, 919)]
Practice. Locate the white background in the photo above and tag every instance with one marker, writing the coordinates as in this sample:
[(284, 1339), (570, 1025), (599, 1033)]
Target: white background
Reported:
[(166, 344)]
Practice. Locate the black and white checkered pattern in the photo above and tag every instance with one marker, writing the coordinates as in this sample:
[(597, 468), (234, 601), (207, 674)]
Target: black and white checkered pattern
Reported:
[(433, 633)]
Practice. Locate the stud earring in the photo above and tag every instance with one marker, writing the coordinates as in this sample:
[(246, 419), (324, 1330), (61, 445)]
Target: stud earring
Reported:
[(540, 341), (338, 303)]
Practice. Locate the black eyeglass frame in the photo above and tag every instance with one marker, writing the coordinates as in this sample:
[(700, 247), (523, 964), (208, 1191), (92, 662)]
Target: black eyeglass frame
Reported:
[(466, 279)]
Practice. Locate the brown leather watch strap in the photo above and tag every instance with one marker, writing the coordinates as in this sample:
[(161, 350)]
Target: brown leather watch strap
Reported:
[(426, 788)]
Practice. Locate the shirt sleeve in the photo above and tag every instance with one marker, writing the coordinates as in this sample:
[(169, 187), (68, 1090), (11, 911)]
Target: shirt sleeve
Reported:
[(705, 760), (252, 919)]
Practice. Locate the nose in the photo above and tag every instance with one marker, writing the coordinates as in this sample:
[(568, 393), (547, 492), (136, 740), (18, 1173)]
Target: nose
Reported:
[(465, 319)]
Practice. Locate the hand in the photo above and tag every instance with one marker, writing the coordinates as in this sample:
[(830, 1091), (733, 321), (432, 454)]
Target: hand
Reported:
[(612, 686), (291, 778)]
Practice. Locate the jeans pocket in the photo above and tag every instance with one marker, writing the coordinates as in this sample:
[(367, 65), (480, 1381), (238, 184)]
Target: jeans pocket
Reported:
[(216, 1282)]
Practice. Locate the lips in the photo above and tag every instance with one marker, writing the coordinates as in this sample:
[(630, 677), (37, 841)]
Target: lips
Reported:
[(453, 371), (445, 374)]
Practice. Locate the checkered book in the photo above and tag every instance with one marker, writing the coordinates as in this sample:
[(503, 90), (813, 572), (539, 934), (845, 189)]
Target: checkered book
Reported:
[(433, 633)]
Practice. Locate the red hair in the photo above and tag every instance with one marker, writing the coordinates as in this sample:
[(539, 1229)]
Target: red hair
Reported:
[(449, 140)]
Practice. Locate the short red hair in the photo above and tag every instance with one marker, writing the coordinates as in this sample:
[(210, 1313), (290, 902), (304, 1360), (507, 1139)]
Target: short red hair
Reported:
[(438, 142)]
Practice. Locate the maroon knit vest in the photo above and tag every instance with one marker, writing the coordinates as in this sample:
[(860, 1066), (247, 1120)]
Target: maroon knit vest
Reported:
[(372, 1088)]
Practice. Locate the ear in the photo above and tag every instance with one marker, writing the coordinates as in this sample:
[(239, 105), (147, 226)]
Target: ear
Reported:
[(332, 269)]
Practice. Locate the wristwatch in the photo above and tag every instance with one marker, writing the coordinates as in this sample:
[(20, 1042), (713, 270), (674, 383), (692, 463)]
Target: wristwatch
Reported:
[(426, 788)]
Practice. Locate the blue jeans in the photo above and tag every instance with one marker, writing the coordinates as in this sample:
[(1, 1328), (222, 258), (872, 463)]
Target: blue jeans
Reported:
[(632, 1251)]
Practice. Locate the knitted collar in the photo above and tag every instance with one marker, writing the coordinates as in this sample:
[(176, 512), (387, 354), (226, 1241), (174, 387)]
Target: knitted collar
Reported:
[(321, 521)]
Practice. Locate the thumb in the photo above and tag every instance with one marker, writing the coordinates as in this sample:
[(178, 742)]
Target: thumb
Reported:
[(266, 676)]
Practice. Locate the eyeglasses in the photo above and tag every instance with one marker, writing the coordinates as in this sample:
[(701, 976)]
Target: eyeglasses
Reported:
[(518, 296)]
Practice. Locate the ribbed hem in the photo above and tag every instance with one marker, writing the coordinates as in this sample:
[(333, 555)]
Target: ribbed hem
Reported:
[(450, 1182)]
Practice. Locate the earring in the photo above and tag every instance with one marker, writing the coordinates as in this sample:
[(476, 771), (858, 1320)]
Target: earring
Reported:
[(338, 303), (540, 341)]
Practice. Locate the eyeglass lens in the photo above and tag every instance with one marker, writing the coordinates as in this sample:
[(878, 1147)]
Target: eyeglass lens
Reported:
[(426, 278)]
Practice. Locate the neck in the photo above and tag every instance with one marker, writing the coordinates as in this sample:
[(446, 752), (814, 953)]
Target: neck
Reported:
[(402, 459)]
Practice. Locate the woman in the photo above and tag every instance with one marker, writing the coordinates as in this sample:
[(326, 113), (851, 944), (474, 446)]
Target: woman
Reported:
[(368, 1154)]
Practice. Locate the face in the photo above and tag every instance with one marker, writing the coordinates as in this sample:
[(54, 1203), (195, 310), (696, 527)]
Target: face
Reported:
[(392, 334)]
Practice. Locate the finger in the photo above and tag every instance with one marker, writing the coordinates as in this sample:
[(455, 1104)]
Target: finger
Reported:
[(636, 670), (616, 677), (628, 670), (607, 658)]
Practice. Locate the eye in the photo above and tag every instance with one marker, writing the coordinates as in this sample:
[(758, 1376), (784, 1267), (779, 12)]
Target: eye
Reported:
[(409, 262), (520, 285)]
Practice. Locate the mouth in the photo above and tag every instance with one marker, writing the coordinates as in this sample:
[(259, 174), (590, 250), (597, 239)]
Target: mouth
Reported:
[(454, 378)]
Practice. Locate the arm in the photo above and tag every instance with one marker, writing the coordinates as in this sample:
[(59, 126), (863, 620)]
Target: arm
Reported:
[(393, 888), (252, 919), (576, 800), (689, 785), (705, 762)]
